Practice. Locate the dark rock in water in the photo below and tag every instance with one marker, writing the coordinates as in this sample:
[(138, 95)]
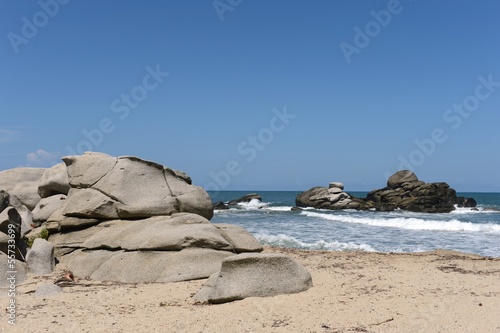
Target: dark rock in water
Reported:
[(403, 191), (245, 198), (466, 202), (220, 205), (4, 200), (296, 209)]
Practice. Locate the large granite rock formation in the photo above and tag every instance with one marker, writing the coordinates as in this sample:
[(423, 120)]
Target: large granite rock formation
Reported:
[(129, 220), (403, 191), (22, 185)]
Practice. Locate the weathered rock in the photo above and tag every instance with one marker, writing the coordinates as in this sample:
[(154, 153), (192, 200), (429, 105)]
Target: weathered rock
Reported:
[(407, 193), (128, 187), (245, 198), (9, 268), (466, 202), (22, 185), (296, 209), (240, 239), (59, 222), (184, 176), (330, 198), (166, 233), (255, 275), (11, 225), (54, 181), (40, 258), (338, 185), (220, 205), (46, 207), (401, 177), (4, 200), (145, 266)]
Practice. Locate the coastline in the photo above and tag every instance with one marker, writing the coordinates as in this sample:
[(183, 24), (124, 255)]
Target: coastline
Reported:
[(438, 291)]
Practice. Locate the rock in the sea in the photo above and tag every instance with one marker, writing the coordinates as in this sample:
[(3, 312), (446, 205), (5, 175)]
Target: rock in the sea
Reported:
[(22, 185), (466, 202), (255, 275), (338, 185), (54, 181), (245, 198), (40, 258), (323, 198), (106, 187), (405, 191), (401, 177), (220, 205)]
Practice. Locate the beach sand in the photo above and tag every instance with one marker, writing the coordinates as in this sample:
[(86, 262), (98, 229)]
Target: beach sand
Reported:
[(440, 291)]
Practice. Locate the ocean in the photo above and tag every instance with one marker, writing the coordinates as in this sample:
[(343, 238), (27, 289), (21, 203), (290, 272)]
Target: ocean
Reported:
[(273, 223)]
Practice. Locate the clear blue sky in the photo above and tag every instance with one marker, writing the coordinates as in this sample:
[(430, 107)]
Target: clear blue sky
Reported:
[(351, 104)]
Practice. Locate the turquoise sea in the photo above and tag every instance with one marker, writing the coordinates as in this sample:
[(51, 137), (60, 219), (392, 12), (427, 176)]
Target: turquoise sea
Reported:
[(273, 223)]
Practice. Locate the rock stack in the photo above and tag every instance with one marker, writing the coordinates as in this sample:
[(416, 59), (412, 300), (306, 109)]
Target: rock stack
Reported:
[(125, 219), (404, 191), (332, 197)]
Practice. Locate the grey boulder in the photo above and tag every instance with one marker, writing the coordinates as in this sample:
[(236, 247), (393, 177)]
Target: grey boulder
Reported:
[(22, 185), (106, 187), (54, 181), (40, 258), (255, 275), (145, 266), (47, 206)]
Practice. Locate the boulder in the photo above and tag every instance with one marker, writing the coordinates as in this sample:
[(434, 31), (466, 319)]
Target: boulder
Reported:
[(220, 205), (11, 223), (159, 233), (245, 198), (106, 187), (240, 239), (255, 275), (466, 202), (338, 185), (11, 271), (400, 177), (40, 258), (59, 222), (46, 207), (183, 176), (405, 192), (330, 198), (22, 185), (4, 200), (54, 181), (145, 266)]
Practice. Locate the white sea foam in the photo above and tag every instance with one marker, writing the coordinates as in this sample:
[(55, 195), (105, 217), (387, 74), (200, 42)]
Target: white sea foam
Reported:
[(253, 204), (279, 208), (410, 223), (292, 242)]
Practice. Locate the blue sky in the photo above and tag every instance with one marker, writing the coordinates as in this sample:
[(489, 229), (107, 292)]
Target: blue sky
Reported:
[(257, 95)]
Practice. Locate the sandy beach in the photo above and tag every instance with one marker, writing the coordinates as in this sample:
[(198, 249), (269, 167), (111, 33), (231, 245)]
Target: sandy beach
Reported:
[(440, 291)]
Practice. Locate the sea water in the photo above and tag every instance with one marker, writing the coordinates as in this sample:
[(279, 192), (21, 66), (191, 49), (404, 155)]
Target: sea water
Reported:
[(273, 223)]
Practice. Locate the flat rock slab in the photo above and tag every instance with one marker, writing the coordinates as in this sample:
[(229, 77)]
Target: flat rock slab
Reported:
[(255, 275), (145, 266)]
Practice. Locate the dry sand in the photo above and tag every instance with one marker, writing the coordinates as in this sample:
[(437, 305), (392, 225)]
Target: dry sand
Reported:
[(440, 291)]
